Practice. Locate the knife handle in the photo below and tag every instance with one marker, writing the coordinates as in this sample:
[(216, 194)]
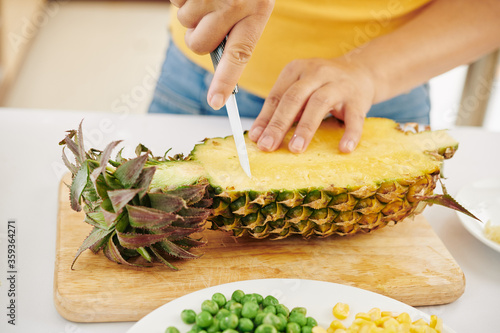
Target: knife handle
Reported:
[(216, 56)]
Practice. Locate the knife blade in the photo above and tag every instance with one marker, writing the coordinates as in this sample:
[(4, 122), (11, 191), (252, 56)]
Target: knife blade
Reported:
[(234, 115)]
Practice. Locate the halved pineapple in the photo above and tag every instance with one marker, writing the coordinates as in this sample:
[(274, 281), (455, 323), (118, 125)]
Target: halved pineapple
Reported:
[(150, 206), (321, 191)]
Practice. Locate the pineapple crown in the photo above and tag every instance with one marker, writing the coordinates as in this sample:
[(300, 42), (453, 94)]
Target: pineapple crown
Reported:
[(132, 224)]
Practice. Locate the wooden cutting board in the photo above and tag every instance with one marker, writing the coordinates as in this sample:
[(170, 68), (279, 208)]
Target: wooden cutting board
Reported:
[(407, 262)]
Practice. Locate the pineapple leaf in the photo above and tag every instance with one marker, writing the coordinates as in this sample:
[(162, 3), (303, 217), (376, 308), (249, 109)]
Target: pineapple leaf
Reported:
[(120, 198), (103, 161), (163, 260), (94, 237), (144, 253), (150, 218), (191, 194), (176, 233), (194, 217), (176, 251), (128, 172), (166, 202), (144, 180), (99, 244), (190, 242), (79, 142), (73, 168), (447, 201), (79, 183), (132, 240), (112, 252), (73, 147), (97, 220)]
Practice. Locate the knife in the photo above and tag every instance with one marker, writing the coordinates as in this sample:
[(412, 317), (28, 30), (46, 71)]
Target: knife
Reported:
[(234, 115)]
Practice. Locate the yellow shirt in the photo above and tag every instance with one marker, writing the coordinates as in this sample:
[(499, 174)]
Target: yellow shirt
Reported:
[(310, 29)]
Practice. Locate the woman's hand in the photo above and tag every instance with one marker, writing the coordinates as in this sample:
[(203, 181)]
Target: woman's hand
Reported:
[(208, 23), (306, 91)]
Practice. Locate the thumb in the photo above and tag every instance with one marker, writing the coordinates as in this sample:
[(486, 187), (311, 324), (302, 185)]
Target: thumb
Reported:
[(239, 47)]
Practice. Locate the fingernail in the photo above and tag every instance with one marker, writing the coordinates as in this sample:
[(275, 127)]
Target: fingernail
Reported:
[(217, 101), (266, 143), (297, 144), (255, 133), (349, 146)]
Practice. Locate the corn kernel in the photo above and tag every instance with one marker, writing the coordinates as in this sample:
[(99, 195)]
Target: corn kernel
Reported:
[(341, 310), (380, 322), (318, 329), (404, 328), (340, 330), (363, 315), (330, 330), (363, 322), (387, 314), (375, 314), (364, 329), (391, 322), (436, 323), (420, 322), (336, 324), (403, 318)]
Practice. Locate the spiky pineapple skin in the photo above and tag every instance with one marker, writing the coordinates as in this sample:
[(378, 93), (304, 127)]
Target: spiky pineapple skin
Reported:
[(319, 212)]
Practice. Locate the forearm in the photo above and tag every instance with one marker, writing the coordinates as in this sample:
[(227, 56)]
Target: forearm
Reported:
[(445, 34)]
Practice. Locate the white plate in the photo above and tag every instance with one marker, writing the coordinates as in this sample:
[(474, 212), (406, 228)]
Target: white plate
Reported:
[(317, 297), (481, 198)]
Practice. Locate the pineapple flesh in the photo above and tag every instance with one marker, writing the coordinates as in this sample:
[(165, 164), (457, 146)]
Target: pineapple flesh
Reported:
[(321, 191)]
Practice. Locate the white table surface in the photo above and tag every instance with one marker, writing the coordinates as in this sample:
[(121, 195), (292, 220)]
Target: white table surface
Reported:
[(31, 168)]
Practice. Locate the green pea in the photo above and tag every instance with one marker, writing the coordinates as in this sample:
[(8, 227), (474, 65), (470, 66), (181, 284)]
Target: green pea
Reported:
[(272, 319), (297, 317), (220, 299), (245, 325), (202, 331), (192, 331), (266, 328), (195, 328), (293, 328), (188, 316), (204, 319), (307, 329), (250, 310), (311, 322), (230, 321), (236, 308), (222, 313), (214, 327), (238, 295), (249, 298), (299, 310), (210, 306), (270, 309), (280, 308), (259, 298), (283, 321), (230, 330), (171, 329), (270, 300), (259, 317), (228, 303)]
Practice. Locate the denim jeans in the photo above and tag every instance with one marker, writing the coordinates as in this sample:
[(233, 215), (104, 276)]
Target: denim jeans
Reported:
[(182, 89)]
